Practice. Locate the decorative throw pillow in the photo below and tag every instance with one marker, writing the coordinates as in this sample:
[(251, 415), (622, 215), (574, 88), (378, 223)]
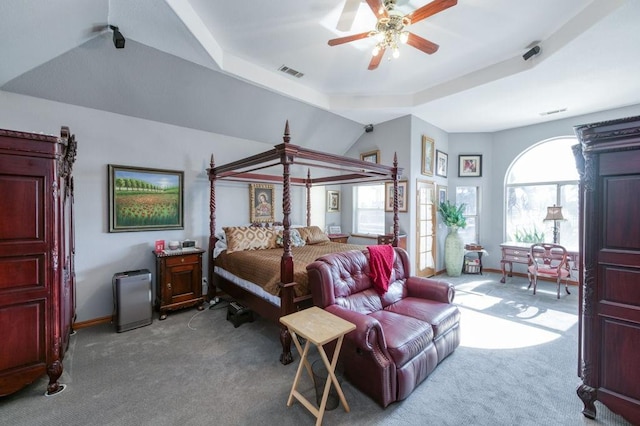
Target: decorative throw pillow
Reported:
[(315, 235), (304, 232), (296, 239), (241, 238)]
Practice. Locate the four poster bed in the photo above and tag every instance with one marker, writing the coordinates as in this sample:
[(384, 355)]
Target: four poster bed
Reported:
[(269, 280)]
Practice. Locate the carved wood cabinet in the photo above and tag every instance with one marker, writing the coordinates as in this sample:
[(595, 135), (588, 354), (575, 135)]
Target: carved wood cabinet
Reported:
[(37, 299), (178, 280), (608, 160)]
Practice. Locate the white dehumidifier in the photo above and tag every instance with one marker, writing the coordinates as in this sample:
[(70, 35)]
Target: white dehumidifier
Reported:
[(132, 299)]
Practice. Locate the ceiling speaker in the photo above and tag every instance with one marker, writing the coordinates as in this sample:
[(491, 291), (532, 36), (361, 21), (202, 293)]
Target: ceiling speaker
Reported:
[(531, 52)]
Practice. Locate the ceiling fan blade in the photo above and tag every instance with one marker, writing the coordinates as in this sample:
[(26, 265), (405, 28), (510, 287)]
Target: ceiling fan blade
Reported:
[(375, 61), (347, 39), (377, 8), (422, 44), (430, 9), (348, 15)]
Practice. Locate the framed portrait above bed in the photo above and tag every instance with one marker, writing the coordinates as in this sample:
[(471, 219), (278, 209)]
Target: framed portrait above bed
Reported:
[(262, 204)]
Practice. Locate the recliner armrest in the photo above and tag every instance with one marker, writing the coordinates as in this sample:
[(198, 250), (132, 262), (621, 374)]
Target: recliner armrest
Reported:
[(368, 333), (428, 288)]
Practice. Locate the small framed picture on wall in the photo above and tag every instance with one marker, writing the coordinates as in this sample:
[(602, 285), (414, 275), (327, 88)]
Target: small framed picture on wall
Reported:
[(442, 161), (442, 194), (333, 201), (371, 156), (427, 155), (470, 165), (402, 196)]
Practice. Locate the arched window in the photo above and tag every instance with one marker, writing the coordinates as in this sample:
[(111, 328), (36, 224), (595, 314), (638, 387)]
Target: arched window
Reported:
[(542, 176)]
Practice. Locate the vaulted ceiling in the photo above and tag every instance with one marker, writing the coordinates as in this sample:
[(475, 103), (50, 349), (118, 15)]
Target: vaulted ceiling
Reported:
[(196, 63)]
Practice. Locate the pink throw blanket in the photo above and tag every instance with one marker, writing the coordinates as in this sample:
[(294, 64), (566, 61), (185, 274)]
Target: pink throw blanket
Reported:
[(381, 264)]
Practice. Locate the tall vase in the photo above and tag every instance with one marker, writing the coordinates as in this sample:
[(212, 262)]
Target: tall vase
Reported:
[(453, 252)]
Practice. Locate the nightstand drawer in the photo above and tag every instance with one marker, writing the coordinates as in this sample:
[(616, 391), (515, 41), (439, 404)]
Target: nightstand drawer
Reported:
[(182, 260)]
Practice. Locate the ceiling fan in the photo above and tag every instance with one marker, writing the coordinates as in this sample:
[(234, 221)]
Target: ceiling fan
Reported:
[(390, 29)]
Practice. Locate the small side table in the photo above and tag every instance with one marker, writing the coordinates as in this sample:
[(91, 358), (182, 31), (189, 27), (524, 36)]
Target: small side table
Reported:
[(473, 269), (319, 327), (178, 280), (339, 238)]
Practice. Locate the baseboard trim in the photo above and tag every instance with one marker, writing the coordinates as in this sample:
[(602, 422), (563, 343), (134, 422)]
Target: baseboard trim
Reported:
[(91, 323)]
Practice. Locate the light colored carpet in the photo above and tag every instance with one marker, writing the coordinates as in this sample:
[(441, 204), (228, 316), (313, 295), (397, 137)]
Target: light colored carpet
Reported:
[(516, 366)]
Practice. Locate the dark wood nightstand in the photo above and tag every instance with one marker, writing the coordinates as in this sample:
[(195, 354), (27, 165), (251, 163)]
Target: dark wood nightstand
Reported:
[(339, 238), (178, 280)]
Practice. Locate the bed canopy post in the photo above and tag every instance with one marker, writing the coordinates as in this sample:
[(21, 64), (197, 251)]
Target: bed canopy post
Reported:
[(286, 262), (308, 185), (395, 200), (212, 228)]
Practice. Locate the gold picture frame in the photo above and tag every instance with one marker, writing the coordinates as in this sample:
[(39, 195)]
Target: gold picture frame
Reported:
[(371, 156), (262, 204), (402, 196), (428, 146)]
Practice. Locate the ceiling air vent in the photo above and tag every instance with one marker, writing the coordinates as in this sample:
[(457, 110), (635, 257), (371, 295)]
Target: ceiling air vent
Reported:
[(285, 69), (555, 111)]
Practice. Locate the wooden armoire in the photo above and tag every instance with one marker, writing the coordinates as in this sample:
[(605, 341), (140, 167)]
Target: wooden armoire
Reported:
[(608, 160), (37, 300)]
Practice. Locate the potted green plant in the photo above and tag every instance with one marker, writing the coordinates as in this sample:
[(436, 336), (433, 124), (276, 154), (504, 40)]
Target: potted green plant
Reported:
[(453, 217)]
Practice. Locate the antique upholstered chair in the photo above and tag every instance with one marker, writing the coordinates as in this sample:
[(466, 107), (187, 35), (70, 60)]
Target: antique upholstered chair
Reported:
[(549, 261), (400, 336)]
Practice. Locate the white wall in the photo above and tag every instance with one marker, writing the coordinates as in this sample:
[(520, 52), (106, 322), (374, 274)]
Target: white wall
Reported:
[(106, 138), (390, 138), (499, 151)]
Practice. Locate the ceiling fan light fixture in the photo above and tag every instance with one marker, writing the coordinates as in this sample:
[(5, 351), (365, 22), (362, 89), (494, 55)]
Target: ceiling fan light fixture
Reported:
[(390, 30)]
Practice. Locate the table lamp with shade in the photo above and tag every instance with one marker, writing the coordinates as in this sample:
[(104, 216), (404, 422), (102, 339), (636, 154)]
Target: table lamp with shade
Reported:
[(554, 213)]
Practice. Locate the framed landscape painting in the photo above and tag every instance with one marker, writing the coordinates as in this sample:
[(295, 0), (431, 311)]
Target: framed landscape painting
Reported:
[(143, 199)]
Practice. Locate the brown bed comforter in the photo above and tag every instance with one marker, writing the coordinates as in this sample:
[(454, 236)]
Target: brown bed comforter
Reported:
[(262, 267)]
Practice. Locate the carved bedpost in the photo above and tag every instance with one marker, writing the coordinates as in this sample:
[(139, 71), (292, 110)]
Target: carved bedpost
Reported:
[(286, 263), (395, 200), (212, 228), (308, 185)]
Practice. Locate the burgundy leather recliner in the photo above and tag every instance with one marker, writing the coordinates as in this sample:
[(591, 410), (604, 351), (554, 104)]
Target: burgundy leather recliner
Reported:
[(401, 336)]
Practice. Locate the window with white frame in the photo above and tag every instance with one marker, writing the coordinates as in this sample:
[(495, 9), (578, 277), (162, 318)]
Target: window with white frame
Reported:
[(368, 211), (543, 176), (470, 196)]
